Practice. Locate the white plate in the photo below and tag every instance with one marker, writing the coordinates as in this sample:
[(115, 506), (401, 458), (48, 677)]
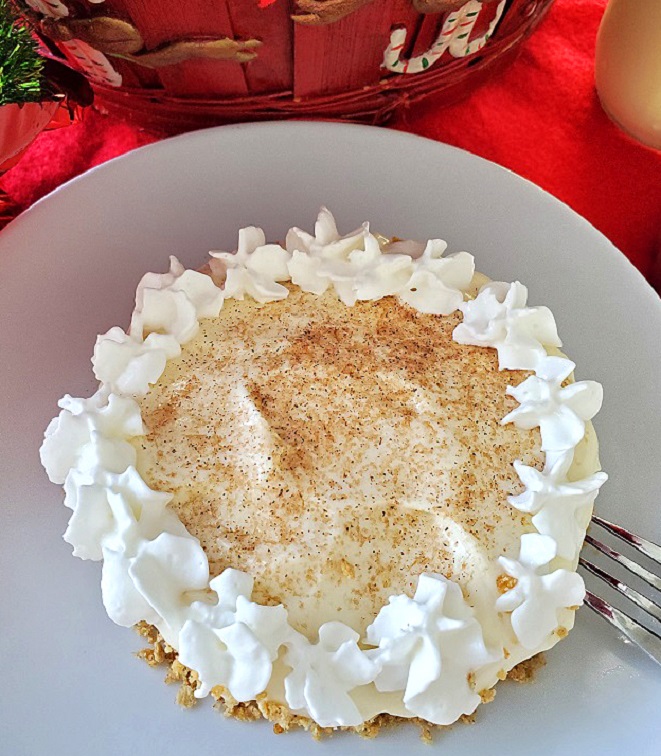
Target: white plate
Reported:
[(68, 270)]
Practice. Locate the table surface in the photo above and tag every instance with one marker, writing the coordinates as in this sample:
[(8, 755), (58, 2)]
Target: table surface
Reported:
[(541, 118)]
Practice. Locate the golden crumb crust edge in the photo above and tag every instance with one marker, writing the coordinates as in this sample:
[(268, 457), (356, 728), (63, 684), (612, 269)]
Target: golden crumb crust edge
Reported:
[(159, 653)]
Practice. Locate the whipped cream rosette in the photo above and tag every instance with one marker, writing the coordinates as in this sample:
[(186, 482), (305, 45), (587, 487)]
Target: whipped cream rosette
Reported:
[(339, 476)]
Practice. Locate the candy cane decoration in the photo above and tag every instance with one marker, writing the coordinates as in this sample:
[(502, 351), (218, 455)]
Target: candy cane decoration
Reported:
[(93, 63), (454, 37), (50, 8)]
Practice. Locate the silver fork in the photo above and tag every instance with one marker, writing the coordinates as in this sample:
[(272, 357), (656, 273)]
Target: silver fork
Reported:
[(648, 638)]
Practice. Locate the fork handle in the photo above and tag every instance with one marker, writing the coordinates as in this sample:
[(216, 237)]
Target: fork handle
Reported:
[(648, 640)]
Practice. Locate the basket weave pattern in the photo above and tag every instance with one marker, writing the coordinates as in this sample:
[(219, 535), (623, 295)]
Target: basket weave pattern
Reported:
[(175, 66)]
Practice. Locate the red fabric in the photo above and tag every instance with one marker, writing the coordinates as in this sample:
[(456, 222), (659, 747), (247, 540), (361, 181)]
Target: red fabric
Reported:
[(541, 118)]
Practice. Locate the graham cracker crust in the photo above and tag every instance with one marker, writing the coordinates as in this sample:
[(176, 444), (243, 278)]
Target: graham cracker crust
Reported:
[(159, 653)]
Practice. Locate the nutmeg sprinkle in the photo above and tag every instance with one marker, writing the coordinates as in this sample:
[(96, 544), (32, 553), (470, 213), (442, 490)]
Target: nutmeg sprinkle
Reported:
[(336, 453)]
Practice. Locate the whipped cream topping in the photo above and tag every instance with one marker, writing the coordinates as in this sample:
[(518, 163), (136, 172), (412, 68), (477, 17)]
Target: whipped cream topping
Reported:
[(561, 509), (539, 592), (90, 435), (429, 649), (356, 265), (155, 577), (233, 642), (168, 308), (428, 646), (172, 303), (108, 505), (324, 674), (255, 268), (559, 411), (498, 317), (129, 365)]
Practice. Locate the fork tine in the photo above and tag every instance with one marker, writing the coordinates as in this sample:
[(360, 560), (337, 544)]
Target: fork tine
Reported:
[(648, 640), (642, 601), (649, 548), (649, 577)]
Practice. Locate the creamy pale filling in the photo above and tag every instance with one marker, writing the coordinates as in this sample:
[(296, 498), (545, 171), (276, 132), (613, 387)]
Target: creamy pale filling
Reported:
[(337, 453)]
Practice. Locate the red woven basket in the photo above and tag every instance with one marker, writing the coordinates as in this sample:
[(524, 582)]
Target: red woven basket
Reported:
[(173, 66)]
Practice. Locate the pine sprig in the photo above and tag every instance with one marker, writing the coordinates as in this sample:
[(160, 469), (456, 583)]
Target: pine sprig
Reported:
[(21, 66)]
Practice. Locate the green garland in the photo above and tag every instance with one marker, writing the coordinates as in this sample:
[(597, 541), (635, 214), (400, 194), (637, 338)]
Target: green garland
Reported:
[(21, 66)]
